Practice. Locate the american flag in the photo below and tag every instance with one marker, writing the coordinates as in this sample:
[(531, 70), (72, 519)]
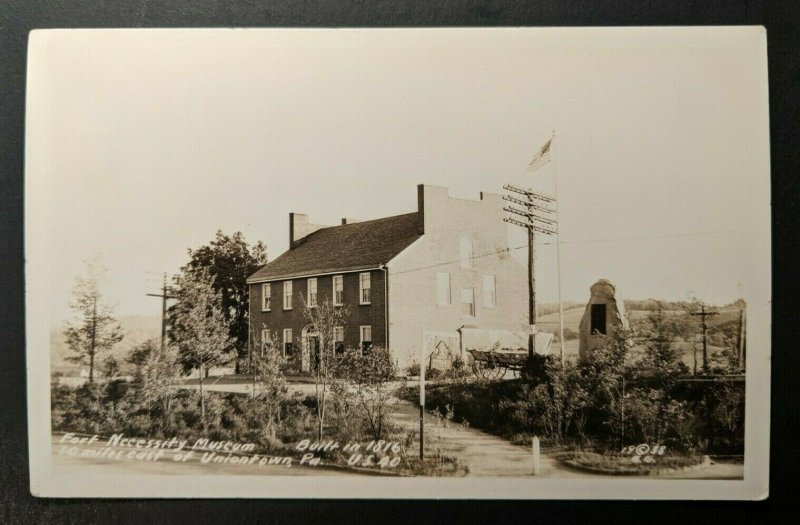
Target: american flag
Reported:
[(542, 156)]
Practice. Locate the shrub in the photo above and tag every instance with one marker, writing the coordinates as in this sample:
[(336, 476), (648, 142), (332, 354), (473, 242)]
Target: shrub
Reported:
[(413, 369)]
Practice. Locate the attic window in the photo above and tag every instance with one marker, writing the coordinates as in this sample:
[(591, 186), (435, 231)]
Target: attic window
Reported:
[(598, 319)]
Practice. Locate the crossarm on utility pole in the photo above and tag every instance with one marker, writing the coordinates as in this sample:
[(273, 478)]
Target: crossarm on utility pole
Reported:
[(164, 296), (703, 314)]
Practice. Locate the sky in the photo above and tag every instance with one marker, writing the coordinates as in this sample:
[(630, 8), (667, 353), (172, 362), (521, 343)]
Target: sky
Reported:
[(142, 144)]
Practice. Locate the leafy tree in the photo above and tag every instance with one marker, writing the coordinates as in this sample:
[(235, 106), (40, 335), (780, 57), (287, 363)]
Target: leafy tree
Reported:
[(110, 367), (661, 334), (95, 328), (115, 387), (568, 399), (200, 330), (372, 380), (156, 368), (269, 383), (607, 375), (326, 319), (229, 260), (727, 360)]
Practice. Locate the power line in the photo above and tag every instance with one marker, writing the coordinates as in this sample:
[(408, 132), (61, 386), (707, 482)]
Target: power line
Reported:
[(646, 237), (164, 295), (703, 313), (524, 246), (527, 217)]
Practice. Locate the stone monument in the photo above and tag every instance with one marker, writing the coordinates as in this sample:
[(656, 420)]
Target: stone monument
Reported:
[(604, 315)]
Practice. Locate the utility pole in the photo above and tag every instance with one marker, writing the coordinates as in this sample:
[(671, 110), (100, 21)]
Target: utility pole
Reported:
[(535, 217), (703, 314), (164, 296)]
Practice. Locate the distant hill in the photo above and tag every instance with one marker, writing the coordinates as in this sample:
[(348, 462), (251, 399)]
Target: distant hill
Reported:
[(728, 317), (137, 329)]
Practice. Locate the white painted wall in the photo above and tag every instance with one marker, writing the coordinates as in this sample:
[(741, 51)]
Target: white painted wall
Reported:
[(412, 274)]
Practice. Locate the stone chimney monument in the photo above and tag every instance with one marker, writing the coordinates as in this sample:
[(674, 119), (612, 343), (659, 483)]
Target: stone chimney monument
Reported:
[(604, 315)]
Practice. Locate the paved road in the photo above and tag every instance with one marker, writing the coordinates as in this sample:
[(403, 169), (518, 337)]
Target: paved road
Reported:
[(489, 455), (484, 454)]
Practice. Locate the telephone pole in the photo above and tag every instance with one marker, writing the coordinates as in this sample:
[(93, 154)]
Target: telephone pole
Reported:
[(535, 217), (164, 296), (703, 314)]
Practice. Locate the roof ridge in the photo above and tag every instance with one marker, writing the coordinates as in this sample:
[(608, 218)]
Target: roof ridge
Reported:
[(366, 221), (367, 243)]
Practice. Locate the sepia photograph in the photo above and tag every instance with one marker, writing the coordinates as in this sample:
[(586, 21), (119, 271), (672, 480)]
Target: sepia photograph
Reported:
[(506, 263)]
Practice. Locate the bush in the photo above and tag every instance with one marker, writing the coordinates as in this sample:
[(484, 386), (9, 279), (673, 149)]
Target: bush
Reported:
[(413, 369), (92, 409), (367, 391)]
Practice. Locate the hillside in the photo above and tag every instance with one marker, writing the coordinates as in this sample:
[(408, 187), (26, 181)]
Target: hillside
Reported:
[(137, 329), (572, 319)]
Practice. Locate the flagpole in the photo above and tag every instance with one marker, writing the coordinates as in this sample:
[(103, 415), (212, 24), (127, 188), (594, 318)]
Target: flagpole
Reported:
[(558, 253)]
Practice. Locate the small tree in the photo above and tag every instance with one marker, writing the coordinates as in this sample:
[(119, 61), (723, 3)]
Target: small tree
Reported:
[(155, 377), (727, 360), (110, 368), (200, 331), (661, 334), (372, 377), (269, 383), (114, 389), (95, 328), (607, 375), (326, 319), (567, 399)]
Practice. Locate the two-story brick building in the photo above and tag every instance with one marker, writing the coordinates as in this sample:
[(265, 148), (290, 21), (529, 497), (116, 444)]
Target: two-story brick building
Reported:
[(445, 268)]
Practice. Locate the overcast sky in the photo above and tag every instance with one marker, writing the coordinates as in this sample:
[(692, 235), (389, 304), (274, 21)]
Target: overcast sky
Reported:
[(142, 144)]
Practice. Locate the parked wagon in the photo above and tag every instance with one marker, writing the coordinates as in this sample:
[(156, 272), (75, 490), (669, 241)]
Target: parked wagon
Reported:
[(495, 364)]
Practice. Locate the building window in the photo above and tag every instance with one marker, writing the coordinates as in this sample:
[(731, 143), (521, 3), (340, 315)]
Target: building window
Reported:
[(598, 319), (287, 295), (266, 297), (366, 339), (443, 289), (338, 340), (465, 252), (288, 349), (468, 302), (312, 292), (266, 340), (364, 288), (338, 290), (489, 291)]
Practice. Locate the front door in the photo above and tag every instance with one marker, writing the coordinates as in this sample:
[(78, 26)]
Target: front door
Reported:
[(310, 351)]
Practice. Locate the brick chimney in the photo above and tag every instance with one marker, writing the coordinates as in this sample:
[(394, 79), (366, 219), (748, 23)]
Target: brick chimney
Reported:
[(299, 228)]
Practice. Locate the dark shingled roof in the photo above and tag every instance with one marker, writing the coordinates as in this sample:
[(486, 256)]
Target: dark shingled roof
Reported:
[(348, 247)]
